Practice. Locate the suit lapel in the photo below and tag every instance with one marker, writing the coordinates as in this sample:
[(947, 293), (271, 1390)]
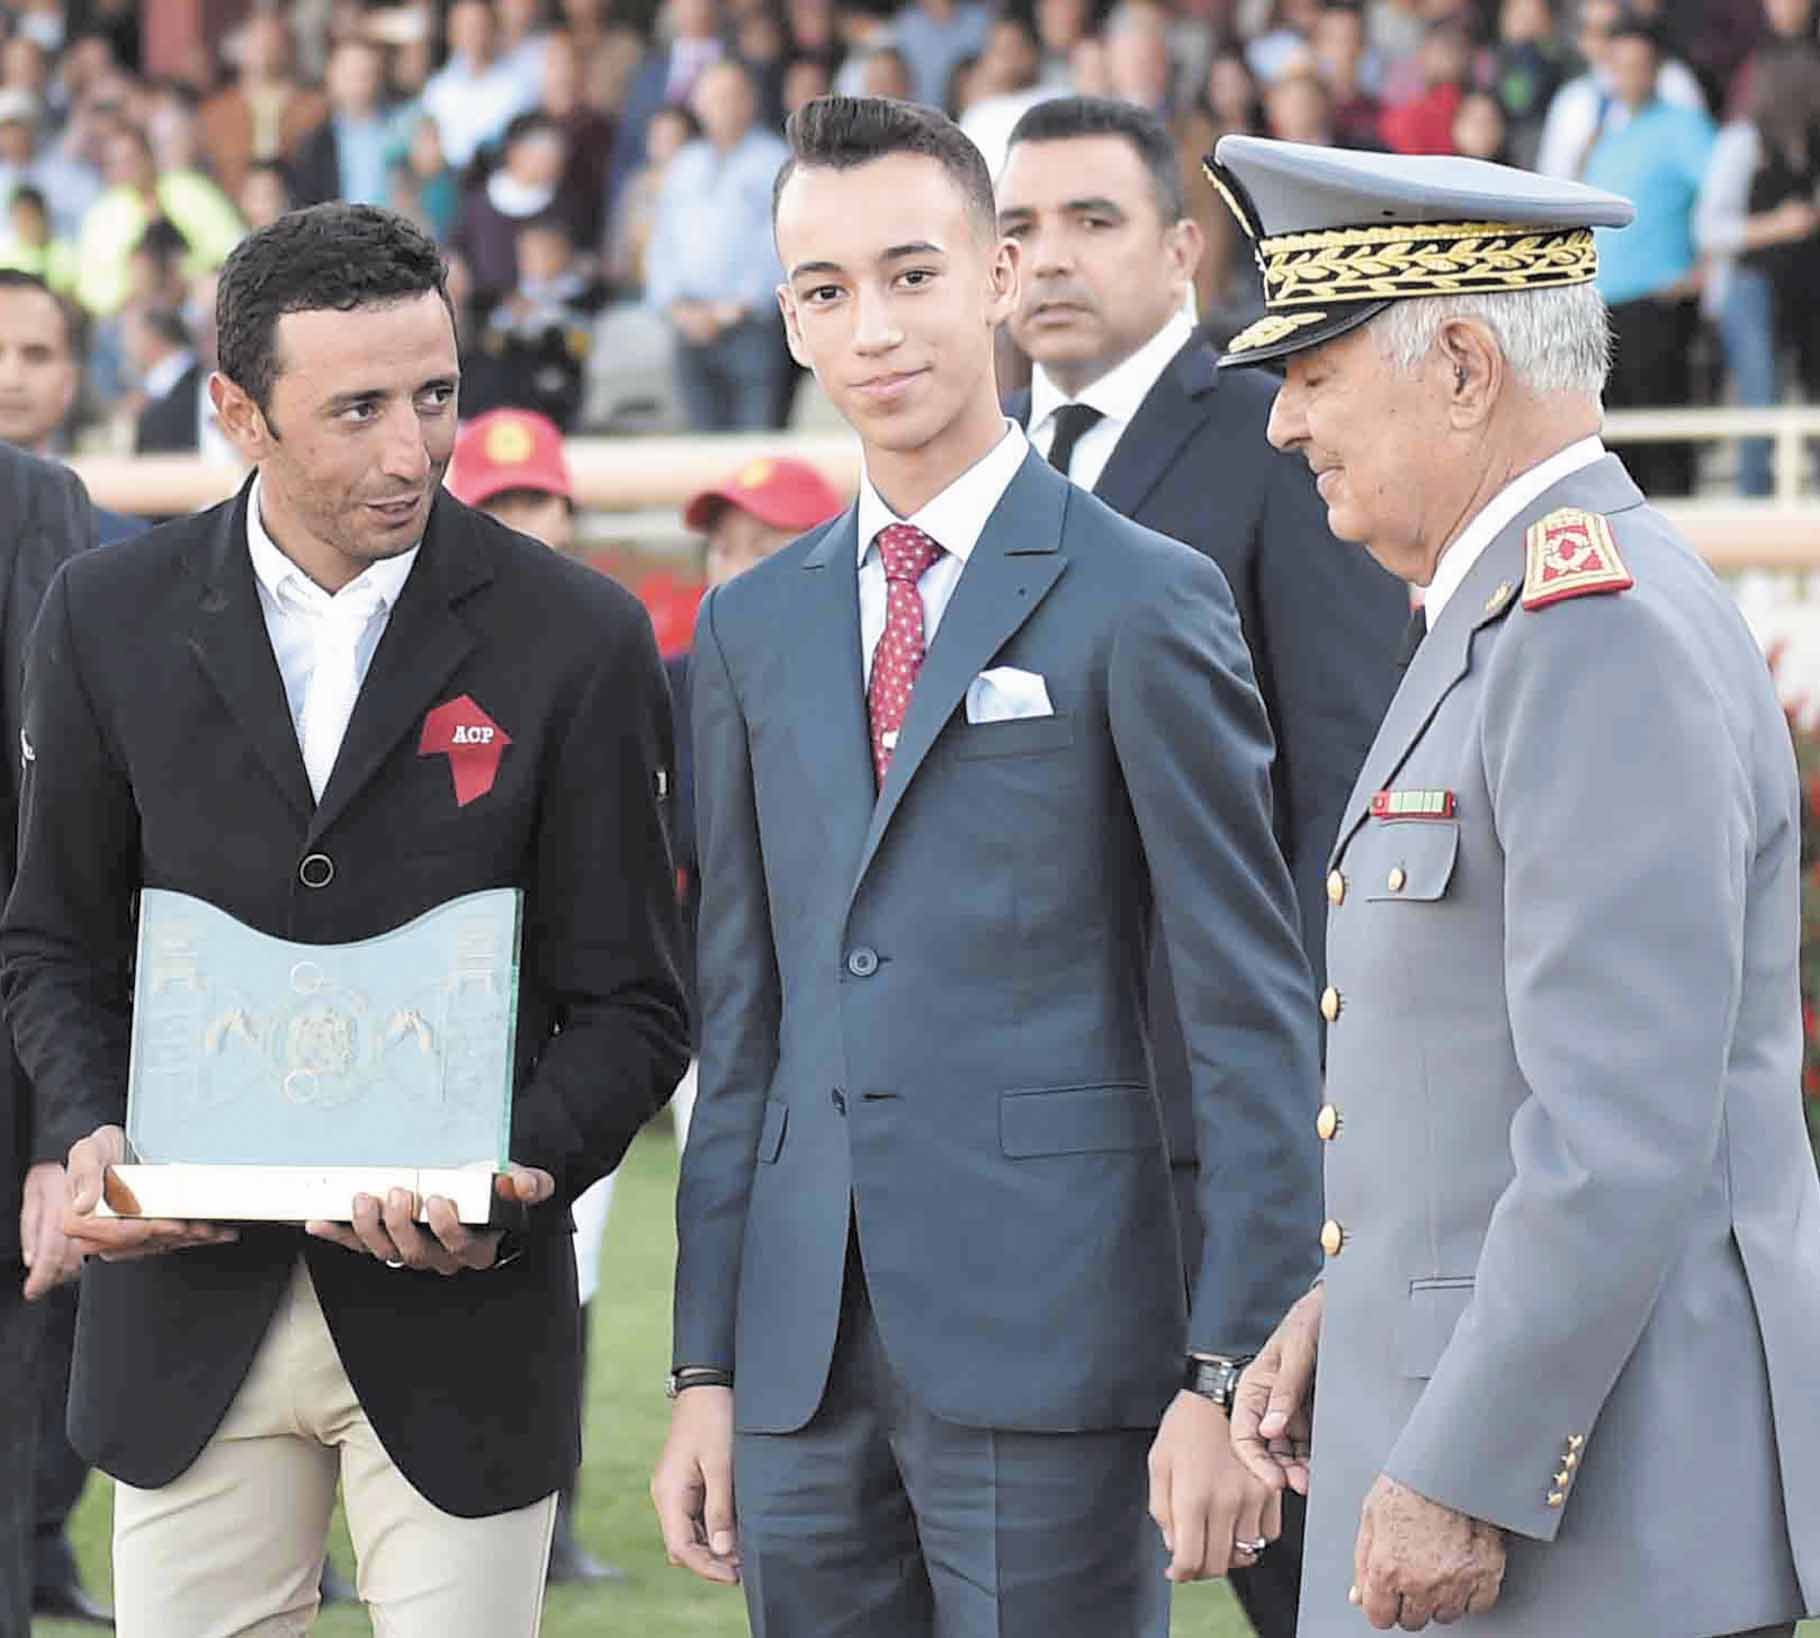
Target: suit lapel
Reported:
[(425, 639), (1171, 414), (831, 708), (1018, 558), (1446, 653), (228, 637)]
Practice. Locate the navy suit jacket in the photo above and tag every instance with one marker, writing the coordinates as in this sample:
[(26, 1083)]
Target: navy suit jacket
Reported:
[(923, 1006), (1322, 621)]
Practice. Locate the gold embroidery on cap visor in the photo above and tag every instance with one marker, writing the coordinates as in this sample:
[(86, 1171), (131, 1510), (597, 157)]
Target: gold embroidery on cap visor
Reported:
[(1271, 329), (1431, 259)]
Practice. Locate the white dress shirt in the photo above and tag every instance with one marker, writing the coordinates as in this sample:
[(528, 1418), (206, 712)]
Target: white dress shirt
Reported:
[(1117, 395), (1469, 545), (310, 627), (954, 520)]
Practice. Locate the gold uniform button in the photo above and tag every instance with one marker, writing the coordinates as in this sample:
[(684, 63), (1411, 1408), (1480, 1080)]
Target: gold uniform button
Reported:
[(1564, 1478), (1336, 887), (1330, 1003), (1327, 1123), (1570, 1461), (1332, 1237), (1556, 1498), (1399, 879)]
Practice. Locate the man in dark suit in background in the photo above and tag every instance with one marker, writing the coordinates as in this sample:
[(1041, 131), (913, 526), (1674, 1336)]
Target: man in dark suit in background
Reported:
[(929, 1308), (273, 706), (1127, 400), (48, 520), (171, 377)]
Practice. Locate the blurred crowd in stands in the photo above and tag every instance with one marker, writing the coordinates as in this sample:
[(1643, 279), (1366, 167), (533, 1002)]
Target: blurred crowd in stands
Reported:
[(601, 175)]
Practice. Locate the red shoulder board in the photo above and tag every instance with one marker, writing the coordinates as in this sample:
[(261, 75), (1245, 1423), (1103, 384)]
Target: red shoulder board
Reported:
[(1571, 554)]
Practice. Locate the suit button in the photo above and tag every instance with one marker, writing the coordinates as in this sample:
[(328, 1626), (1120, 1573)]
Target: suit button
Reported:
[(1336, 887), (839, 1099), (1330, 1003), (1332, 1237), (318, 870), (1399, 879), (863, 962), (1327, 1123)]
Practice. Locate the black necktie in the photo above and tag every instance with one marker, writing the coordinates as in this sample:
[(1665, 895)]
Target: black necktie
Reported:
[(1072, 422), (1413, 633)]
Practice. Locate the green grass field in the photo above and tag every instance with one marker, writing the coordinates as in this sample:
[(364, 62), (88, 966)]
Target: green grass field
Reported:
[(627, 1414)]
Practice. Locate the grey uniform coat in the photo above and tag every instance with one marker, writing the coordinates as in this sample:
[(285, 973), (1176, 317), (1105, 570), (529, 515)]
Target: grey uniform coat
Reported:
[(1578, 1293)]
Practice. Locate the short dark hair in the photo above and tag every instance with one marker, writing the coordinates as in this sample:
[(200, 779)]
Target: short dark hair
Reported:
[(163, 243), (166, 323), (843, 133), (26, 194), (337, 256), (1633, 25), (1062, 119), (16, 278)]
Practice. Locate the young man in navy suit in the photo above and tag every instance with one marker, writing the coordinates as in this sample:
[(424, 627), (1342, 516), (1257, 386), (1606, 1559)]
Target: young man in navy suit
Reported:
[(930, 1320)]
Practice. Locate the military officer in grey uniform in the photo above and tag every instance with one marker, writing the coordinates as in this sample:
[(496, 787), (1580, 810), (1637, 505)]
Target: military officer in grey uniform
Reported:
[(1561, 1363)]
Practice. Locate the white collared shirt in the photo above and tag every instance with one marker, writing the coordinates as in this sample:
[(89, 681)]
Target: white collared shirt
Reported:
[(1469, 545), (1117, 395), (166, 373), (294, 607), (954, 520)]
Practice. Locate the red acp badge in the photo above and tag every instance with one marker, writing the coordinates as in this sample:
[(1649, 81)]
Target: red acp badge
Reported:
[(471, 740)]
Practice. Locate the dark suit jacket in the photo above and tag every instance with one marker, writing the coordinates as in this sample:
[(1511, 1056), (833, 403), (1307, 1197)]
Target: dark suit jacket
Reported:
[(166, 757), (925, 1004), (1321, 618), (171, 425), (48, 520)]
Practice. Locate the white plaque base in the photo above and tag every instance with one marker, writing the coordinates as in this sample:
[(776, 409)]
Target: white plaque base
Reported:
[(285, 1194)]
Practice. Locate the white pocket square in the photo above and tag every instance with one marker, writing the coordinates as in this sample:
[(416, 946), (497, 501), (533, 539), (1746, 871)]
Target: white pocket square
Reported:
[(1006, 694)]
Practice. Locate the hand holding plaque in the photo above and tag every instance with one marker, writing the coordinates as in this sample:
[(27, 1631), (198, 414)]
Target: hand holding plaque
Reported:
[(281, 1082)]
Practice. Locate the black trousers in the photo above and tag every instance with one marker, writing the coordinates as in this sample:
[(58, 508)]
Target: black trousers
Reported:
[(21, 1329), (1652, 341), (61, 1472)]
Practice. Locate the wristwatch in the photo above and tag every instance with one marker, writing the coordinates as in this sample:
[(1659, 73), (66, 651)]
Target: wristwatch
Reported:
[(696, 1376), (1215, 1376)]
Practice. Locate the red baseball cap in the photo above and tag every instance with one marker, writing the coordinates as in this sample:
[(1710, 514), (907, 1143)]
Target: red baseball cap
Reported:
[(508, 449), (777, 490)]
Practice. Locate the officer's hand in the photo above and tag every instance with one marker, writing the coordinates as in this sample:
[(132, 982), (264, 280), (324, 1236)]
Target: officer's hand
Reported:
[(1201, 1496), (1417, 1561), (388, 1229), (693, 1486), (120, 1239), (1272, 1407), (49, 1254)]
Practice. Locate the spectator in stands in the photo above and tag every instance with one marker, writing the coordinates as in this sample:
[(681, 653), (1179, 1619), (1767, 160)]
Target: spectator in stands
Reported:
[(667, 76), (1480, 130), (523, 38), (1297, 109), (266, 113), (1527, 69), (1340, 59), (712, 267), (635, 205), (527, 185), (935, 36), (1759, 219), (758, 42), (1061, 25), (813, 29), (1005, 85), (1423, 124), (1137, 55), (588, 135), (1228, 293), (69, 186), (136, 196), (266, 194), (477, 93), (1790, 22), (172, 120), (1588, 106), (348, 155), (534, 344), (1285, 42), (424, 186), (170, 382), (804, 80), (32, 247), (1656, 158), (26, 66), (885, 72)]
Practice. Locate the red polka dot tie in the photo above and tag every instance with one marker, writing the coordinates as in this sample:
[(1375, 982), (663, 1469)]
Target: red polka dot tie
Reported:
[(907, 553)]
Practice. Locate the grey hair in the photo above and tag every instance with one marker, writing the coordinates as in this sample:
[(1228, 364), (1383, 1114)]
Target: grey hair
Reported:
[(1555, 341)]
